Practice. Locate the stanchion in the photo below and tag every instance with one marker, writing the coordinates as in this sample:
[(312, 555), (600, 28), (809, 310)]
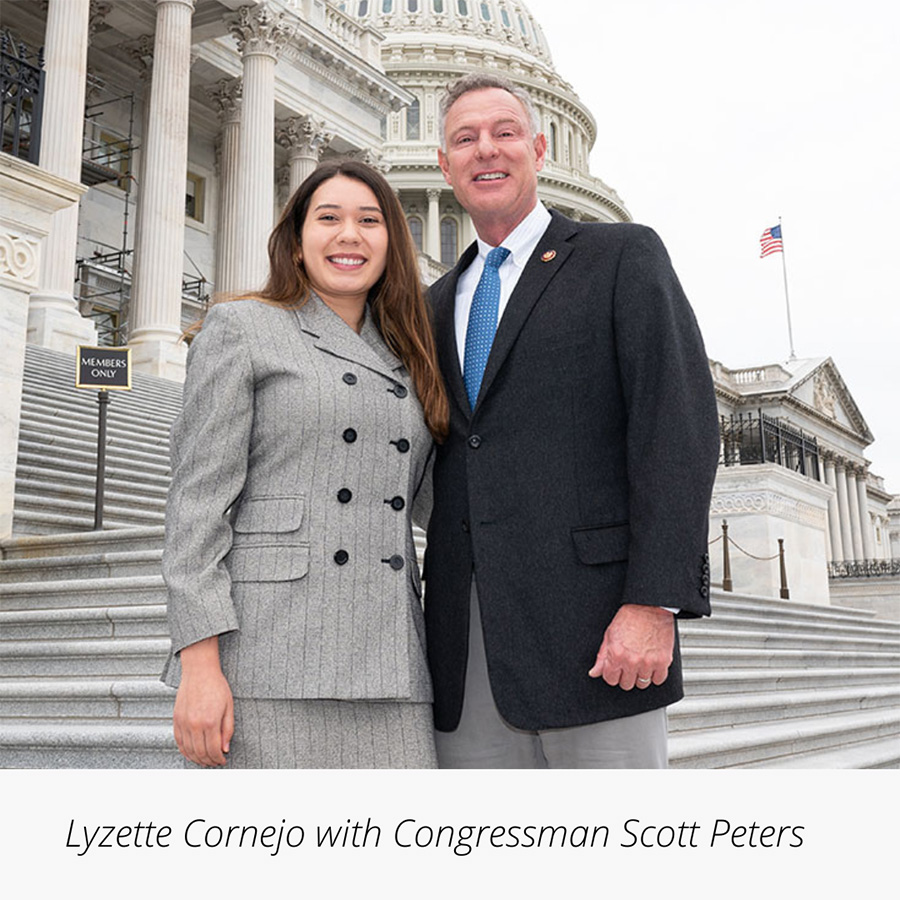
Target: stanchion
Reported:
[(785, 593), (727, 584)]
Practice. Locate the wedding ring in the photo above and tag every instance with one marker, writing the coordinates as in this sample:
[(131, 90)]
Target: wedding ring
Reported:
[(644, 680)]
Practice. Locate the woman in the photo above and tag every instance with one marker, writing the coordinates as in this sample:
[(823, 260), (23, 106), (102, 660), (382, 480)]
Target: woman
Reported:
[(309, 413)]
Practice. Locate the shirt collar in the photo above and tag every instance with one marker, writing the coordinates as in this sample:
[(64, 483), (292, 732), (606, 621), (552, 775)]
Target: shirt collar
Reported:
[(522, 240)]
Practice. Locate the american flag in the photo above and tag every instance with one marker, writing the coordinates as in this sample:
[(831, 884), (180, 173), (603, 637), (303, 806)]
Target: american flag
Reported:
[(770, 241)]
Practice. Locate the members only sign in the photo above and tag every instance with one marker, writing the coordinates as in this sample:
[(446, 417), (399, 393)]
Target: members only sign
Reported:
[(108, 368)]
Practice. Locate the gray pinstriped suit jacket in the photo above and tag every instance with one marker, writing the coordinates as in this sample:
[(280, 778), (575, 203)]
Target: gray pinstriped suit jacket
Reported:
[(254, 525)]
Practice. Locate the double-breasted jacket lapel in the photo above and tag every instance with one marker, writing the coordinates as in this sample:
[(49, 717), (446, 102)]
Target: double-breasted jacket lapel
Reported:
[(332, 335)]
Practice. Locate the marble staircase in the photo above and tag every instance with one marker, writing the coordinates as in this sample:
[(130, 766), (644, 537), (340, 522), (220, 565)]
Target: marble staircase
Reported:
[(770, 683)]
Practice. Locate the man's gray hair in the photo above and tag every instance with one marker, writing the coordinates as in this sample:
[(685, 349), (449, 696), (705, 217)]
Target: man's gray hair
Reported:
[(479, 81)]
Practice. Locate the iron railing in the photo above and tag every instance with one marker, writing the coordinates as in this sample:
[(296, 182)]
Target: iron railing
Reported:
[(749, 439), (21, 97)]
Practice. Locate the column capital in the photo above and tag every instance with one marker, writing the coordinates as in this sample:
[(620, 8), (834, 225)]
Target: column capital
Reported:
[(433, 194), (141, 51), (226, 97), (370, 158), (258, 31), (99, 10), (303, 136)]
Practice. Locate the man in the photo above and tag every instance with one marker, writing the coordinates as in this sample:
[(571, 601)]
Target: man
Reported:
[(571, 498)]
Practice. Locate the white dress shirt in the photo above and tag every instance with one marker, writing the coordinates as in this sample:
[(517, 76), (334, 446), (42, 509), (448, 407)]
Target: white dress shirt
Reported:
[(520, 243)]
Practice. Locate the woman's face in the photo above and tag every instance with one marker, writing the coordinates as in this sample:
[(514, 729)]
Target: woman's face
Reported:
[(344, 241)]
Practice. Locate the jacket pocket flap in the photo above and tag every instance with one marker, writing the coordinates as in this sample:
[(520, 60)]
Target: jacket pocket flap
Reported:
[(608, 543), (268, 562), (269, 514)]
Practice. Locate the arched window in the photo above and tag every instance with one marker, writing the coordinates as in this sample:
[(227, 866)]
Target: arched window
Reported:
[(449, 241), (554, 144), (412, 121), (463, 7), (485, 12), (387, 6), (505, 16), (437, 6), (415, 229), (571, 151), (412, 5), (363, 8), (522, 26)]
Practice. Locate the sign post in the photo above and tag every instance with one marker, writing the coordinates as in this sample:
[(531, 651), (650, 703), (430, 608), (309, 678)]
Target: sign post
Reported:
[(109, 369)]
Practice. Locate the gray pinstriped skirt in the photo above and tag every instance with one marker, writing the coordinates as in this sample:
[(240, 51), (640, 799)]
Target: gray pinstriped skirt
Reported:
[(330, 734)]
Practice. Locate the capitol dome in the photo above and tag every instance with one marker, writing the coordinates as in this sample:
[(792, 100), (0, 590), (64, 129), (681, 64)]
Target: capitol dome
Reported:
[(427, 45)]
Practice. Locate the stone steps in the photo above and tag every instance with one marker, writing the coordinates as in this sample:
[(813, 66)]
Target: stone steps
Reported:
[(770, 683), (88, 745), (752, 744)]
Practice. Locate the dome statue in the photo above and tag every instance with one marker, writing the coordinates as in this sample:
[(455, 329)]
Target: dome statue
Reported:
[(427, 45)]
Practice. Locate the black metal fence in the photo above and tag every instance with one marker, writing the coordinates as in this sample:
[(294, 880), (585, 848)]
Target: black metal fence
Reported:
[(749, 439), (864, 568), (21, 92)]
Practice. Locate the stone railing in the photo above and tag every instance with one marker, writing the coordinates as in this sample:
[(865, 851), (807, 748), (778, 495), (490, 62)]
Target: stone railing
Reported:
[(864, 568)]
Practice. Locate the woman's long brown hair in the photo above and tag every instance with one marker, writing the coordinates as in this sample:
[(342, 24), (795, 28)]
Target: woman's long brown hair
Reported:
[(396, 300)]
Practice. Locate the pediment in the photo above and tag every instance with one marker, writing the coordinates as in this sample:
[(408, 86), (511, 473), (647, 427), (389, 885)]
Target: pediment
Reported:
[(821, 388)]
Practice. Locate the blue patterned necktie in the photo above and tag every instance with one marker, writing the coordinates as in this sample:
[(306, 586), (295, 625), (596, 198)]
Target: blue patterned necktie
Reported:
[(482, 322)]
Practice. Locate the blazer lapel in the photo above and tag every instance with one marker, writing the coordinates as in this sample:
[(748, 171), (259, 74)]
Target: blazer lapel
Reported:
[(533, 282), (333, 335), (443, 301)]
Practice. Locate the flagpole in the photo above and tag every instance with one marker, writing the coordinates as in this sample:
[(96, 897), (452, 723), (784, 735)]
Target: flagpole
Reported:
[(787, 301)]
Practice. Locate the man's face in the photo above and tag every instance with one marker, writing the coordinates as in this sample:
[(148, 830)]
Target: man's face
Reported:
[(492, 159)]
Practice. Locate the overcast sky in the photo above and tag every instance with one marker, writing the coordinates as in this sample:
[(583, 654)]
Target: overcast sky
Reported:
[(715, 117)]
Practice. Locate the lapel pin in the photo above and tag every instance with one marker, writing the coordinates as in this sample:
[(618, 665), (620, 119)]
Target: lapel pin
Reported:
[(547, 255)]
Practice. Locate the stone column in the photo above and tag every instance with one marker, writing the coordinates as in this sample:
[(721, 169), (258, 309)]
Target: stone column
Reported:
[(865, 520), (226, 95), (32, 198), (433, 233), (260, 37), (834, 520), (155, 315), (853, 504), (844, 510), (304, 138), (53, 317)]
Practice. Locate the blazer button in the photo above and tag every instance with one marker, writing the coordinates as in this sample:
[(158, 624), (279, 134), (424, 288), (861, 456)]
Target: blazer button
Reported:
[(402, 445), (341, 557), (396, 503), (349, 435), (396, 562), (465, 525), (350, 378), (345, 495), (399, 391), (475, 441)]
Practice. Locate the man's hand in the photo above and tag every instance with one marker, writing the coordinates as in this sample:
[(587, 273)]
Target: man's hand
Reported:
[(637, 647), (204, 708)]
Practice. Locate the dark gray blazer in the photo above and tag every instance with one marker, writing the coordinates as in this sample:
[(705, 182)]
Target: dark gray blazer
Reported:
[(295, 463), (580, 482)]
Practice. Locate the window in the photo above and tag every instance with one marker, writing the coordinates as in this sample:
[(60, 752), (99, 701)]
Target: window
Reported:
[(194, 197), (363, 8), (505, 16), (415, 229), (412, 5), (554, 146), (463, 7), (412, 121), (485, 12), (522, 27), (437, 6), (387, 6), (449, 251)]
